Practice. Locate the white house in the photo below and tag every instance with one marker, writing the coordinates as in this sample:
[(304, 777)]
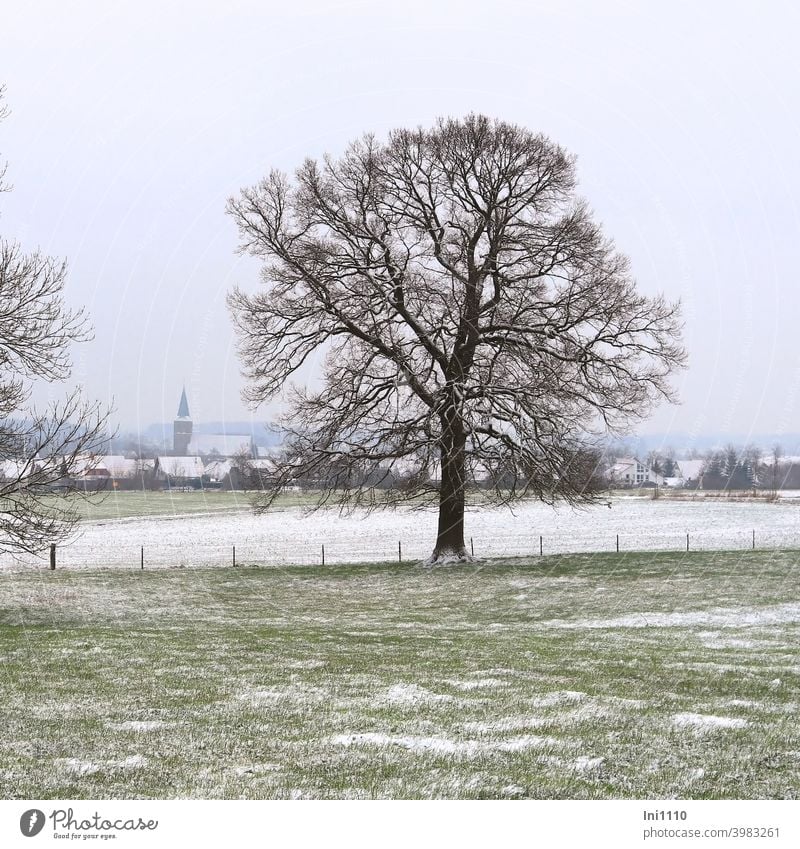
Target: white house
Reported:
[(179, 468), (117, 465), (628, 471)]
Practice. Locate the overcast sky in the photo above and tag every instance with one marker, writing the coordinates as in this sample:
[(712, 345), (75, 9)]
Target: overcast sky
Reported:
[(132, 123)]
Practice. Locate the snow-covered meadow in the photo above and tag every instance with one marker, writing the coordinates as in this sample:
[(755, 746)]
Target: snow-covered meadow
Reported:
[(589, 676), (294, 536)]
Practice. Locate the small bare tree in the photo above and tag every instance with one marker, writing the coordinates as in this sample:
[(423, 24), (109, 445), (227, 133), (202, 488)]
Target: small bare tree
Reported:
[(42, 452), (476, 322), (243, 474)]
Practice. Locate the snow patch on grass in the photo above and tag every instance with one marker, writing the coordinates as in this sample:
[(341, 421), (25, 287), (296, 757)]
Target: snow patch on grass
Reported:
[(626, 703), (558, 697), (271, 695), (585, 763), (306, 664), (443, 745), (695, 775), (509, 723), (745, 703), (412, 694), (255, 769), (727, 617), (132, 762), (133, 725), (81, 768), (478, 684), (703, 721), (513, 791), (714, 640)]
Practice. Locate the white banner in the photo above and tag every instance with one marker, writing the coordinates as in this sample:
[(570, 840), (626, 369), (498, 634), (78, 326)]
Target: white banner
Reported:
[(440, 824)]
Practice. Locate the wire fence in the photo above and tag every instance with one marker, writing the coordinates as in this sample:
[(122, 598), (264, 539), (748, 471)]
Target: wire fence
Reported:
[(321, 551)]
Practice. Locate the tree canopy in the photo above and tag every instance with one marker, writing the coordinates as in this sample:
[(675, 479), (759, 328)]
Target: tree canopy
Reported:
[(475, 322)]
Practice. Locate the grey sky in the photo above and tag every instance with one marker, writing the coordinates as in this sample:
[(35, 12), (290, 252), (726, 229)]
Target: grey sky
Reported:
[(131, 123)]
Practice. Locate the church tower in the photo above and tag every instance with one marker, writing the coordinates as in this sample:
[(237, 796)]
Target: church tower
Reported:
[(182, 428)]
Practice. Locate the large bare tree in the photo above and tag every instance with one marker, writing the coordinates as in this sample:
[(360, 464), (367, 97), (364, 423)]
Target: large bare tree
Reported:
[(475, 321), (41, 452)]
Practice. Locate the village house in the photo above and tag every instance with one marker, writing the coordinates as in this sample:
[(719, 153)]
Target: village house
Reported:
[(629, 471)]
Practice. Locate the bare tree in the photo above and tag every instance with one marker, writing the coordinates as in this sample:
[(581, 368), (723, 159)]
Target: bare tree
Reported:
[(474, 319), (243, 474), (777, 453), (42, 452)]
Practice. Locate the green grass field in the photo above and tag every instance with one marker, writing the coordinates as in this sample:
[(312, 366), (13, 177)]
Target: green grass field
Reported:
[(601, 676)]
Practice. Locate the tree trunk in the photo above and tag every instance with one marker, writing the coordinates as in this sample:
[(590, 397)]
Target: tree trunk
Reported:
[(450, 534)]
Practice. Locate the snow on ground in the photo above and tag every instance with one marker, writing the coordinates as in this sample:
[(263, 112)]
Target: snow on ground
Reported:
[(585, 763), (270, 683), (778, 614), (133, 725), (714, 640), (412, 695), (705, 721), (289, 693), (558, 698), (444, 745), (79, 767), (509, 723), (479, 684), (295, 536)]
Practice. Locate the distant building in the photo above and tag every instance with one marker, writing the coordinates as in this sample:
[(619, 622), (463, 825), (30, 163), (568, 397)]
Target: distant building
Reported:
[(176, 471), (182, 428), (185, 443), (628, 471)]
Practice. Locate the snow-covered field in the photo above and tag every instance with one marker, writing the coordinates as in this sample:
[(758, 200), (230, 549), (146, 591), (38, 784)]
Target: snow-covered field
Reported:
[(588, 676), (294, 536)]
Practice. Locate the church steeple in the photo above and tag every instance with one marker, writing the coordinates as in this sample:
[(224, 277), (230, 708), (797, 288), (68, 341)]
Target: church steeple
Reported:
[(183, 407), (182, 428)]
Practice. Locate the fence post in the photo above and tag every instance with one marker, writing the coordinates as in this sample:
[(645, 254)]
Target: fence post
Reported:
[(142, 557), (234, 556), (754, 539), (471, 547), (399, 551), (541, 546), (617, 543), (52, 555), (687, 542), (323, 554)]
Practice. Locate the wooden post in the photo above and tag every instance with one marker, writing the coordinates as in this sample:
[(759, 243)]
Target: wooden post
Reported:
[(323, 554), (471, 547), (754, 539), (234, 557), (687, 542), (541, 547), (52, 555), (142, 557), (617, 543), (399, 551)]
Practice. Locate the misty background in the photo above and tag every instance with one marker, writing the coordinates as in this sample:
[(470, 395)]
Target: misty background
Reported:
[(132, 123)]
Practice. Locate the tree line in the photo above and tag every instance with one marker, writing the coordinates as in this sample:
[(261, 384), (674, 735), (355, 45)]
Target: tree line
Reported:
[(733, 467)]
